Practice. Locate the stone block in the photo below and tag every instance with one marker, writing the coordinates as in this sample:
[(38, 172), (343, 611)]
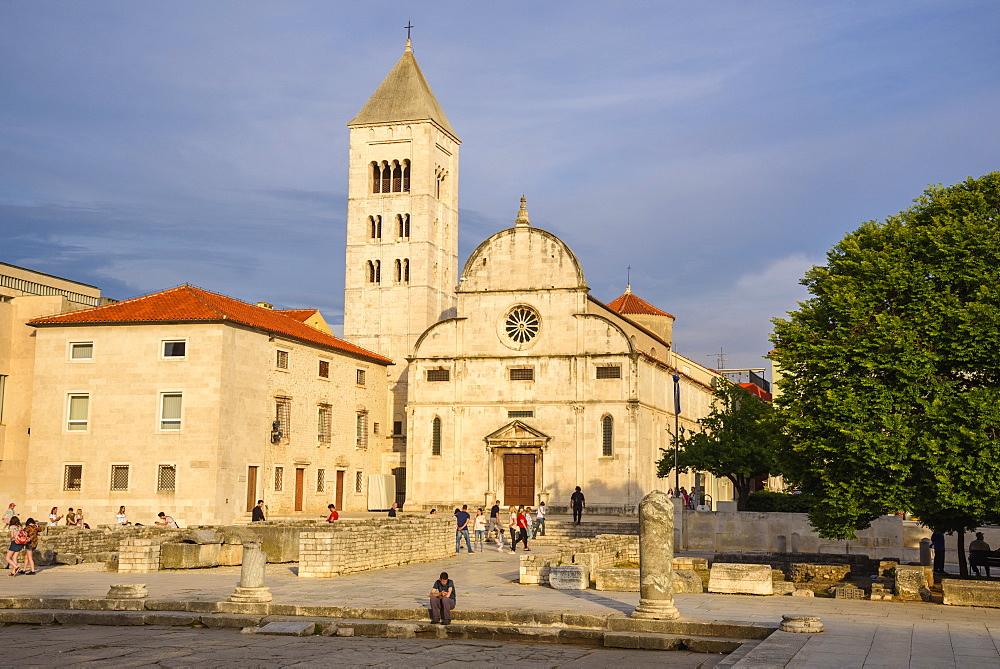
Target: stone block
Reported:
[(880, 593), (9, 616), (690, 563), (783, 587), (170, 618), (641, 640), (189, 556), (740, 579), (116, 619), (230, 555), (801, 624), (885, 566), (569, 577), (687, 580), (230, 621), (806, 572), (618, 580), (401, 631), (911, 584), (803, 592), (128, 591), (847, 591), (198, 537), (971, 593), (288, 629)]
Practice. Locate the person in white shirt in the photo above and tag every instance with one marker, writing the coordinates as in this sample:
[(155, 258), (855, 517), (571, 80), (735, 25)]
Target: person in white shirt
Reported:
[(120, 517), (539, 526)]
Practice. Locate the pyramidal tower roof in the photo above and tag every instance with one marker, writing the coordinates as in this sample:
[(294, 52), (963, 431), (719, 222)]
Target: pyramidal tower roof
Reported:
[(404, 95), (630, 304)]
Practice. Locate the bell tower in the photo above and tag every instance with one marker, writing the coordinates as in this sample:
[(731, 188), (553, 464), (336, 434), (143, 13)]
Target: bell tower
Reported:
[(402, 223)]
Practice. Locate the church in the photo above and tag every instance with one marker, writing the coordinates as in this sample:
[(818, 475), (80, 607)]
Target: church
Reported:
[(511, 381)]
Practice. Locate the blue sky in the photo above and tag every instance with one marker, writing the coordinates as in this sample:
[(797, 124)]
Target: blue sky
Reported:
[(719, 148)]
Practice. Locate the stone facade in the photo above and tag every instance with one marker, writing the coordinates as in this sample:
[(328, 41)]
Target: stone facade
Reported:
[(351, 546)]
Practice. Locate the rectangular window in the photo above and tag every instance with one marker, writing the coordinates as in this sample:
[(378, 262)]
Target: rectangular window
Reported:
[(81, 350), (175, 348), (281, 359), (3, 382), (119, 477), (609, 372), (282, 416), (361, 377), (166, 478), (279, 479), (522, 374), (374, 428), (359, 481), (520, 414), (320, 480), (362, 424), (325, 420), (79, 413), (397, 427), (438, 374), (170, 411), (324, 369), (73, 477)]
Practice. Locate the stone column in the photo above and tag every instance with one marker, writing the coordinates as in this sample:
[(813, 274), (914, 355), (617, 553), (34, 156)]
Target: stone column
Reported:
[(656, 558), (251, 587)]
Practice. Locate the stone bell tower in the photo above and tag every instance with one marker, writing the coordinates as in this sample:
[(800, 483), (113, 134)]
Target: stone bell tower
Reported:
[(402, 223)]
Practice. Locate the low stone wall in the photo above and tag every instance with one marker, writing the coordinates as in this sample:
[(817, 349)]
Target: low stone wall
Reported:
[(971, 593), (856, 563), (102, 539), (351, 546), (600, 552)]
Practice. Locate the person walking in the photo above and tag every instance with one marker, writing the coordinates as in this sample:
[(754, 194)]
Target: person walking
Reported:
[(8, 514), (462, 519), (442, 600), (512, 526), (32, 530), (937, 543), (522, 527), (539, 526), (579, 503), (18, 540), (257, 515), (495, 519), (479, 525), (54, 517)]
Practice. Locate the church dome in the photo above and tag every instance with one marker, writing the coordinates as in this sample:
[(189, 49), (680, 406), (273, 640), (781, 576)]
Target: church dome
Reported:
[(522, 258)]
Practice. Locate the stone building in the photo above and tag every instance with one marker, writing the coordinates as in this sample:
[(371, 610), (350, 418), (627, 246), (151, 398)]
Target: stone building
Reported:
[(26, 294), (198, 404)]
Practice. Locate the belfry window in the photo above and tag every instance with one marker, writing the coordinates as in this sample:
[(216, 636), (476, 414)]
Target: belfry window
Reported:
[(399, 271), (374, 271), (406, 270), (375, 227), (391, 177), (402, 226)]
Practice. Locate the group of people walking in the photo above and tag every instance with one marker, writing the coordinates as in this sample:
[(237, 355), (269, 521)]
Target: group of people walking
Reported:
[(522, 523)]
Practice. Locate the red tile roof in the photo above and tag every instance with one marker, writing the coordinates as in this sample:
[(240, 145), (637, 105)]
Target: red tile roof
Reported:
[(629, 303), (191, 304), (298, 314), (756, 391)]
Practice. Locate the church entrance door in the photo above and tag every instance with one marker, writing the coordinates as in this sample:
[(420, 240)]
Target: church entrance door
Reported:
[(519, 479)]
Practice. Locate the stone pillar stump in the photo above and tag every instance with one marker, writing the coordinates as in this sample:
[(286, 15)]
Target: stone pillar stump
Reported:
[(656, 558), (251, 588)]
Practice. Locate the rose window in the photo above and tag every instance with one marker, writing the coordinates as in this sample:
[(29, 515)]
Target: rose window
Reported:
[(521, 325)]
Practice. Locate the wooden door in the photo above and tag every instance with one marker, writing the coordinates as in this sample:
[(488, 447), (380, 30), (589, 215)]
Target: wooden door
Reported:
[(519, 479), (340, 490), (251, 488), (300, 479)]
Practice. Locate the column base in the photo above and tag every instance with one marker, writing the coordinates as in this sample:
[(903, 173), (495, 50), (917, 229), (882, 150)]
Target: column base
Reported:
[(654, 609), (251, 595)]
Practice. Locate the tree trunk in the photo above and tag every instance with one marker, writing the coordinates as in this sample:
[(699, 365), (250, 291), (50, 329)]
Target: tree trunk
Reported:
[(741, 486), (963, 565)]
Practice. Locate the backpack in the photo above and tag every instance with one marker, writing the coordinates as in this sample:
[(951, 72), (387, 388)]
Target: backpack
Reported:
[(22, 538)]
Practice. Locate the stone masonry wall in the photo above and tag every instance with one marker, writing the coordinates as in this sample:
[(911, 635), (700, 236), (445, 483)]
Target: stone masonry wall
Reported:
[(598, 553), (103, 539), (351, 546), (138, 556)]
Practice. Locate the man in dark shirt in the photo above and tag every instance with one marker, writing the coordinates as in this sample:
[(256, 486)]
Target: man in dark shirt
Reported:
[(495, 518), (579, 503), (442, 599), (392, 511), (937, 543), (258, 512), (462, 528)]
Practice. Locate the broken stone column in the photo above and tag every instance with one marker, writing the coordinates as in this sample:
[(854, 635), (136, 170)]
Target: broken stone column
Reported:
[(801, 624), (656, 558), (129, 591), (251, 587)]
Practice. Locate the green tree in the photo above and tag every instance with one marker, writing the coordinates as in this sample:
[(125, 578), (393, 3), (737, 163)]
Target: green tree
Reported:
[(891, 369), (738, 441)]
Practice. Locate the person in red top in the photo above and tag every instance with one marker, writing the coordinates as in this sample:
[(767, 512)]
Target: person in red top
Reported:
[(522, 524), (333, 513)]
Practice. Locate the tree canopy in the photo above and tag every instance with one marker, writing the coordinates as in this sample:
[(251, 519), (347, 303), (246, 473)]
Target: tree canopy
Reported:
[(738, 441), (891, 369)]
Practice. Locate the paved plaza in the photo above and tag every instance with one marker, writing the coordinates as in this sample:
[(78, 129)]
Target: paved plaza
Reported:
[(858, 633)]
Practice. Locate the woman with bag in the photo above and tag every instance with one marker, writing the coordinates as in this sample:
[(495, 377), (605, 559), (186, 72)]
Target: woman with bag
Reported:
[(18, 540), (31, 529), (522, 526)]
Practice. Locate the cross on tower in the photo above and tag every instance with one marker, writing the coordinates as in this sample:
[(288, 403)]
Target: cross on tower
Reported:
[(408, 27)]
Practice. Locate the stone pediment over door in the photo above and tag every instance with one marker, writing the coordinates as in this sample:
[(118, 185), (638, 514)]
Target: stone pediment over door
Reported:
[(517, 435)]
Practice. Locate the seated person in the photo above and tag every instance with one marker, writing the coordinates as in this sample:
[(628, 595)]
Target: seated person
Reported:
[(442, 600), (982, 547), (334, 516)]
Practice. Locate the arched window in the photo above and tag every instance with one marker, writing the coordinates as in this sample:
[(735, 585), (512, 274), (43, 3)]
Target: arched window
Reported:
[(378, 271), (399, 226), (406, 270), (399, 271), (371, 272), (607, 436), (406, 176), (397, 177), (386, 177), (375, 227), (406, 226), (436, 437), (376, 178)]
